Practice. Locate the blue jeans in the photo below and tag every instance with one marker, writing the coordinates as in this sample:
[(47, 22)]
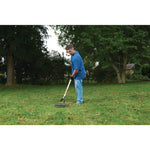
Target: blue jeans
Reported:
[(79, 90)]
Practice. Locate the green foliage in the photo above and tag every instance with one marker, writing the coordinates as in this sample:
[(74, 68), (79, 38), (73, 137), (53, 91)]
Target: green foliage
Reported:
[(25, 44), (2, 78), (31, 72), (139, 77), (146, 70), (105, 42), (129, 76), (99, 39), (2, 71), (27, 41), (105, 75), (45, 70), (141, 72)]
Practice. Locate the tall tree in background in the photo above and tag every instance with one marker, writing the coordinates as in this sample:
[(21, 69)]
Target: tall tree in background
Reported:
[(119, 44), (23, 43), (110, 45)]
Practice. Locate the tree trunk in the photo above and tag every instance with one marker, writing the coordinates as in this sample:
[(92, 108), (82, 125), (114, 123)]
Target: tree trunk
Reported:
[(118, 77), (10, 68), (121, 75), (118, 73), (124, 68), (116, 69), (10, 71)]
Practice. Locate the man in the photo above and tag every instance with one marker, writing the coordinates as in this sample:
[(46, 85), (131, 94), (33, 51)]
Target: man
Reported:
[(78, 72)]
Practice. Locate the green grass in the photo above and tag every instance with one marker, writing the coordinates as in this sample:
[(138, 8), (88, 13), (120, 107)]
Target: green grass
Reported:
[(110, 104)]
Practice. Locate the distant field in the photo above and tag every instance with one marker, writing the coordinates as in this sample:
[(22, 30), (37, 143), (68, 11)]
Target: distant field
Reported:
[(111, 104)]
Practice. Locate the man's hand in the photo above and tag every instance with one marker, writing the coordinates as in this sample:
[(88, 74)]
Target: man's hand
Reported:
[(74, 72), (71, 78)]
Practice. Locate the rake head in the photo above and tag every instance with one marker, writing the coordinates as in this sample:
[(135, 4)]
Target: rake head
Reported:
[(61, 104)]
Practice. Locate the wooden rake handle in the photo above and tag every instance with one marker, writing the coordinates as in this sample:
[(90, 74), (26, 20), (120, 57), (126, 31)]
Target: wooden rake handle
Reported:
[(67, 88)]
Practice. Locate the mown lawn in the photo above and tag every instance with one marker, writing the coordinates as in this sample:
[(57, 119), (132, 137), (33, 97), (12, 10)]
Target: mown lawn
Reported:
[(112, 104)]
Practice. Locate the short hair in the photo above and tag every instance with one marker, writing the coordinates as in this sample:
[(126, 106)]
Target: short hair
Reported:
[(69, 47)]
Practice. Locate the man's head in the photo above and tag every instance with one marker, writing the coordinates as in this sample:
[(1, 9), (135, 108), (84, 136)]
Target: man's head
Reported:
[(70, 49)]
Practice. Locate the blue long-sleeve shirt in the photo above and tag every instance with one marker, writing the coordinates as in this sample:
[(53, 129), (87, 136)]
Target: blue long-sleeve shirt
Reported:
[(77, 64)]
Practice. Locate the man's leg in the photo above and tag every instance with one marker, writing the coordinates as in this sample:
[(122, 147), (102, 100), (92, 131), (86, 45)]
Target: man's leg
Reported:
[(79, 90)]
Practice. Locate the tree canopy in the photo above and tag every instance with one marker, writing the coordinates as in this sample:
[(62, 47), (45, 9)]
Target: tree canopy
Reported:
[(110, 45), (21, 44)]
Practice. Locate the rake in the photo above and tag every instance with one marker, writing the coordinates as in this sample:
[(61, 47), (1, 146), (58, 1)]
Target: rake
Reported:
[(62, 101)]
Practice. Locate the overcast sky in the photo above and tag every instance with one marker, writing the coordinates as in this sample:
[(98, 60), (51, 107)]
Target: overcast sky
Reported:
[(52, 42)]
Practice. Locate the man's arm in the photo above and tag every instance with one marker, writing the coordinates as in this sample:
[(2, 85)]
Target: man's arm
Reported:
[(74, 73)]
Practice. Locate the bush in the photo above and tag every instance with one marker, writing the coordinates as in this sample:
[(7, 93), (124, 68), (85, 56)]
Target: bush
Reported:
[(2, 79), (140, 77), (129, 76), (146, 71), (106, 75)]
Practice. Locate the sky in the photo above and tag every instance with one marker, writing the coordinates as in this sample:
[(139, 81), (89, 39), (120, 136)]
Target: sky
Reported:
[(52, 43)]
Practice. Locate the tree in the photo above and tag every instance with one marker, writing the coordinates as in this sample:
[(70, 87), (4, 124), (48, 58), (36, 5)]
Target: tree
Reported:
[(31, 72), (21, 43), (110, 45)]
